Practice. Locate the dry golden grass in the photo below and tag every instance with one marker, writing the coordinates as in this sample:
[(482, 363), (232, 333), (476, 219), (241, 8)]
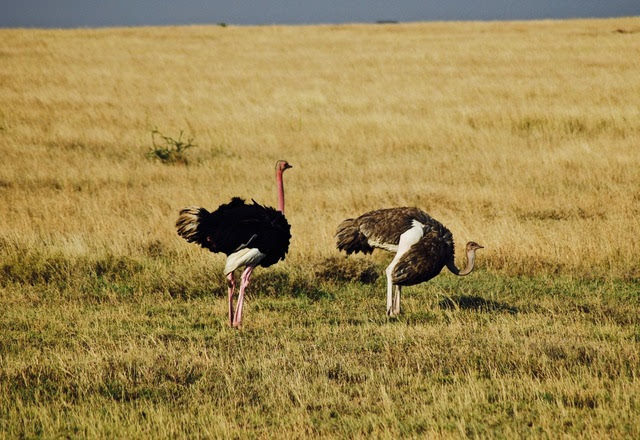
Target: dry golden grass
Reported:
[(523, 136)]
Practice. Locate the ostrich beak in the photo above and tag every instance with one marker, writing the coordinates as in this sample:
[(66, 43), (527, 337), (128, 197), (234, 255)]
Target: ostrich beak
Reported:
[(287, 166)]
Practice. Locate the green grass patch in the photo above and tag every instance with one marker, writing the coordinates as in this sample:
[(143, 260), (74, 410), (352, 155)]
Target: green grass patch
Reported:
[(484, 356)]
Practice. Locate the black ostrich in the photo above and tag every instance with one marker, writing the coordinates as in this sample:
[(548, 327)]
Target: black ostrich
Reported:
[(422, 247), (249, 234)]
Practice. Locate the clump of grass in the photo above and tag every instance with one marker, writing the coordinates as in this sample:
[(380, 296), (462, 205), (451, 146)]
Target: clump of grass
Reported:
[(170, 151), (42, 268), (341, 269)]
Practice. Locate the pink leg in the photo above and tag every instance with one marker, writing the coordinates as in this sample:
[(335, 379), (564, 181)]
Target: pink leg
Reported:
[(232, 286), (237, 320)]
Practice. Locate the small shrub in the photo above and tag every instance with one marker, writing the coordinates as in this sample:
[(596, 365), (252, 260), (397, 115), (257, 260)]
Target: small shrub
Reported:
[(171, 151)]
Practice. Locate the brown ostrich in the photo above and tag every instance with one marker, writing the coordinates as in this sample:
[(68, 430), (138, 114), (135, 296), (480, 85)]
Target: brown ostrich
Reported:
[(422, 247)]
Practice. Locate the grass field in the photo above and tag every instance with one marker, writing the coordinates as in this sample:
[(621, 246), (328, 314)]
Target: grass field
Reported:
[(522, 136)]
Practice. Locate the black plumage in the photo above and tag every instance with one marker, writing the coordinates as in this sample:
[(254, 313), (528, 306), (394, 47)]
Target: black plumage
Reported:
[(249, 235), (235, 226)]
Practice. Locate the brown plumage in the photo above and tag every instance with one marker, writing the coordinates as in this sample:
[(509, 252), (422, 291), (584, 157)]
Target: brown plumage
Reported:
[(422, 246)]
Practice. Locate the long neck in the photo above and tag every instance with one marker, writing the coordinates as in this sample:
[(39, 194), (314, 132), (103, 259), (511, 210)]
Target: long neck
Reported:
[(280, 191), (471, 259)]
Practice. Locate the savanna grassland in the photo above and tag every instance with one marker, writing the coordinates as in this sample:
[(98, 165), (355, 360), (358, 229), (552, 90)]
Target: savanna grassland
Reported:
[(522, 136)]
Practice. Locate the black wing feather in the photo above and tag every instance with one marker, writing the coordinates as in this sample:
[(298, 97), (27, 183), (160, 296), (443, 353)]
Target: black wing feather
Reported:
[(236, 225)]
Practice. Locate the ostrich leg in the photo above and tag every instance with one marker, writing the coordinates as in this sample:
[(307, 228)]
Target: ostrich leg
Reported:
[(396, 300), (232, 285), (237, 320), (389, 273), (407, 239)]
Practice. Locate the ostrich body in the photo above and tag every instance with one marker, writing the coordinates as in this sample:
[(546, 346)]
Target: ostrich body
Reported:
[(422, 247), (249, 235)]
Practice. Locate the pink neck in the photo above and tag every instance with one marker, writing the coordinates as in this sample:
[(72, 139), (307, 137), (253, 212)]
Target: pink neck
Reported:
[(280, 191)]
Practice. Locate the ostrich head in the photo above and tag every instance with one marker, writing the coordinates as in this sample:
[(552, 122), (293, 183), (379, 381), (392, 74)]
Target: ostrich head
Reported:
[(472, 246), (470, 249), (282, 165)]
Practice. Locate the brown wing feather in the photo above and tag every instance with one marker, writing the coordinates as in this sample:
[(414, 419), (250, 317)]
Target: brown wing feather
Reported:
[(384, 227), (387, 225), (350, 239), (424, 260)]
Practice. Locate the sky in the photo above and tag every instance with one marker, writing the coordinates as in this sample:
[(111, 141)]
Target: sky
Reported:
[(108, 13)]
